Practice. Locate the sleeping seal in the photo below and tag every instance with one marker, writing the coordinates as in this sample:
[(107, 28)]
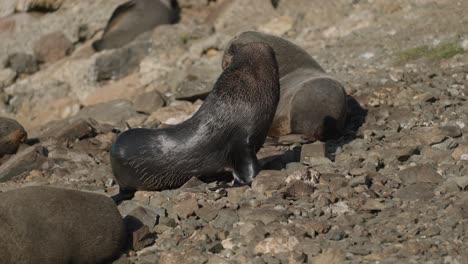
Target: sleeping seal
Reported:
[(312, 102)]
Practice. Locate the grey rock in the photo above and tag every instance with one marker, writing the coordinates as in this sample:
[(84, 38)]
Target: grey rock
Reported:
[(148, 102), (267, 182), (115, 112), (119, 63), (52, 47), (265, 215), (225, 219), (416, 191), (420, 174), (22, 63), (23, 162), (7, 76), (315, 150)]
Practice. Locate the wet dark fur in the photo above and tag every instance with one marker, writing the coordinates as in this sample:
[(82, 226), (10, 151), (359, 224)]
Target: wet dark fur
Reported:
[(223, 135)]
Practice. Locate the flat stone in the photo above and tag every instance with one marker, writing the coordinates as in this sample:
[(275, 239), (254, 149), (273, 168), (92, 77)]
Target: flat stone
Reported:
[(52, 47), (329, 256), (114, 112), (7, 76), (313, 226), (268, 181), (148, 102), (225, 219), (23, 162), (416, 191), (142, 238), (22, 63), (277, 244), (118, 63), (264, 215), (460, 152), (314, 150), (420, 174), (372, 205), (146, 217), (207, 212), (69, 130), (186, 207)]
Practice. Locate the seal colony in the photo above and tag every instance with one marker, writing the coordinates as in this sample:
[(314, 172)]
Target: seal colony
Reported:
[(222, 136), (312, 102)]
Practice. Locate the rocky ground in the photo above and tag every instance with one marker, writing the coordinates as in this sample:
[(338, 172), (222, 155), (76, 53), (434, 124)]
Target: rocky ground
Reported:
[(393, 189)]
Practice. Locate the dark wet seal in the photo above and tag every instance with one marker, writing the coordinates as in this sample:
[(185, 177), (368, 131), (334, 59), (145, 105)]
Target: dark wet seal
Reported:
[(222, 136)]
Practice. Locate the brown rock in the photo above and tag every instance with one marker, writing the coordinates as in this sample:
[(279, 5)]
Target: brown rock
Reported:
[(12, 134), (268, 181), (52, 47), (142, 238), (421, 173), (186, 207), (460, 153), (299, 189), (419, 191), (313, 226), (22, 163)]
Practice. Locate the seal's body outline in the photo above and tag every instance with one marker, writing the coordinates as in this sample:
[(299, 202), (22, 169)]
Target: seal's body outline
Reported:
[(223, 135), (302, 79)]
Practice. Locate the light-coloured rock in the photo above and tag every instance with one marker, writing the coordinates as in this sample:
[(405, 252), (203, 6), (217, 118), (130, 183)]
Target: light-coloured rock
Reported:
[(276, 245), (278, 25), (52, 47), (7, 76)]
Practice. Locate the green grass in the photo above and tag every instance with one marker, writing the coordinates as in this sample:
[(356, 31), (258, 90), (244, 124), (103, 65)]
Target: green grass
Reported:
[(439, 52)]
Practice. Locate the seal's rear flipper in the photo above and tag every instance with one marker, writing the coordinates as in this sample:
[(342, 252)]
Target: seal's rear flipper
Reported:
[(123, 195)]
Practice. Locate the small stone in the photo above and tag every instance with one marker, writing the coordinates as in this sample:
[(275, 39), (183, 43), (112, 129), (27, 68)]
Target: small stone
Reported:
[(225, 219), (299, 189), (264, 215), (314, 150), (7, 76), (313, 226), (207, 212), (22, 63), (336, 234), (276, 245), (12, 134), (217, 260), (149, 102), (373, 205), (52, 47), (417, 191), (192, 183), (268, 181), (360, 180), (458, 152), (278, 25), (142, 238), (144, 216), (69, 130), (291, 139), (186, 207), (23, 162), (462, 182), (216, 248), (329, 256), (420, 174)]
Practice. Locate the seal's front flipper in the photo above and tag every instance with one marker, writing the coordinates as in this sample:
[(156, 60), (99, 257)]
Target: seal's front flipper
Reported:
[(123, 195), (245, 164)]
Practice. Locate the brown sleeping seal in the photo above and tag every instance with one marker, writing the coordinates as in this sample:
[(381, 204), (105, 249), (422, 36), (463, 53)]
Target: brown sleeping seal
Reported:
[(222, 136), (133, 18), (312, 102), (51, 225)]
